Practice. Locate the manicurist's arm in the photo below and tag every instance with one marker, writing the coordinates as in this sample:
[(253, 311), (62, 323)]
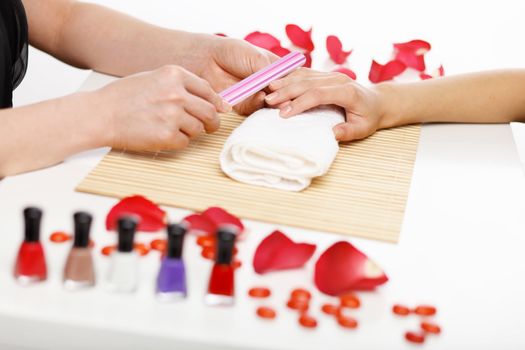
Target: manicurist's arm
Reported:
[(486, 97), (91, 36)]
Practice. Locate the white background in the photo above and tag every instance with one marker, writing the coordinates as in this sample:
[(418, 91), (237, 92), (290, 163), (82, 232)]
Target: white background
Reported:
[(462, 241)]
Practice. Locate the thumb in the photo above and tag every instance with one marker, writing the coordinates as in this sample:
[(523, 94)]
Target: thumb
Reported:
[(354, 129), (244, 59)]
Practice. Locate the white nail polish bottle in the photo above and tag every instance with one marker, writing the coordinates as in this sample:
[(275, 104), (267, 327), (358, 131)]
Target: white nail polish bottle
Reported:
[(123, 271)]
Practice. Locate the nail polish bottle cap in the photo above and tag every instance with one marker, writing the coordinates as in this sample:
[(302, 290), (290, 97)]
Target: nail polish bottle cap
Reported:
[(225, 243), (32, 218), (176, 234), (82, 227), (126, 232)]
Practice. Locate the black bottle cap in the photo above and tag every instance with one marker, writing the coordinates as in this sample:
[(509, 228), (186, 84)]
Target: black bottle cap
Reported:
[(226, 236), (126, 233), (176, 234), (82, 227), (32, 218)]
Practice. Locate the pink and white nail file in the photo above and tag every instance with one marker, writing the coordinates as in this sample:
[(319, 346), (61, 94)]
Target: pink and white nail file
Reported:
[(261, 79)]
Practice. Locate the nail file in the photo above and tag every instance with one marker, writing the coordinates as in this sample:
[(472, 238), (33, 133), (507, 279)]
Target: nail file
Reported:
[(261, 79)]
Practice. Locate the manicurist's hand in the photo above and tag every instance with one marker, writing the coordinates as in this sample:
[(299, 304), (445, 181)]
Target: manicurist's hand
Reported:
[(161, 109), (224, 62), (306, 88)]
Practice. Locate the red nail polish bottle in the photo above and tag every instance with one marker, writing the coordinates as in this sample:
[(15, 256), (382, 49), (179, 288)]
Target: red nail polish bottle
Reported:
[(221, 288), (30, 264)]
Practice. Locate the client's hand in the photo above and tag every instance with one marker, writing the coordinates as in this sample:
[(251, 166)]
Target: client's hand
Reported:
[(161, 109), (305, 89)]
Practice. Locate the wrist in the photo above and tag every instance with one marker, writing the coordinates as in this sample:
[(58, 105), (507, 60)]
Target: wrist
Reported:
[(389, 104), (94, 118)]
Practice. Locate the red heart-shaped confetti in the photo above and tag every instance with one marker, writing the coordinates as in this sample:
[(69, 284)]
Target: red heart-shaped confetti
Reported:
[(278, 252), (150, 217), (299, 37), (343, 268), (335, 49), (379, 73)]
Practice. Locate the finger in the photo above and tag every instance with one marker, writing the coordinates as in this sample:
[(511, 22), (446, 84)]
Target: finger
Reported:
[(297, 88), (203, 89), (343, 96), (242, 59), (203, 111), (354, 129), (251, 105), (294, 77), (191, 126)]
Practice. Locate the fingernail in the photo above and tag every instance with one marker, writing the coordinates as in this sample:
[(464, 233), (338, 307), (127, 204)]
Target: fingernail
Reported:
[(275, 84), (271, 96), (286, 110), (338, 133), (226, 106)]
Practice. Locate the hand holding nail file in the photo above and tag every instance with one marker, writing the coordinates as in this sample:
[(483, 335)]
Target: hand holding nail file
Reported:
[(261, 79)]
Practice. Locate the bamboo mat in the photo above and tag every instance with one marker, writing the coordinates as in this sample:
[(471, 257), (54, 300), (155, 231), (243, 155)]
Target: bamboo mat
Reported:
[(364, 193)]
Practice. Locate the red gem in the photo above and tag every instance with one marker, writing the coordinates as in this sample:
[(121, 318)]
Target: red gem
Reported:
[(59, 237), (208, 253), (425, 310), (430, 327), (300, 294), (400, 310), (206, 241), (107, 250), (350, 300), (266, 312), (307, 321), (330, 309), (414, 337), (259, 292), (158, 244), (298, 304), (347, 322)]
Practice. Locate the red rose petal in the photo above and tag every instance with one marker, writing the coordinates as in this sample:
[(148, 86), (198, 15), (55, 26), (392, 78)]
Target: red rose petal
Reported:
[(425, 76), (220, 217), (200, 225), (221, 34), (151, 217), (280, 51), (441, 71), (263, 40), (347, 71), (437, 73), (308, 63), (299, 37), (343, 268), (418, 47), (335, 49), (412, 53), (379, 73), (278, 252)]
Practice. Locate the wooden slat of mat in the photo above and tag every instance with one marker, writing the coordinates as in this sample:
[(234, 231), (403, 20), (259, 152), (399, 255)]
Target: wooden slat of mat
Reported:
[(364, 194)]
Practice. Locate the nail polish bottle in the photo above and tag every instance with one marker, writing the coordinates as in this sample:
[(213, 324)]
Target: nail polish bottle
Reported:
[(79, 272), (171, 281), (30, 266), (221, 288), (123, 270)]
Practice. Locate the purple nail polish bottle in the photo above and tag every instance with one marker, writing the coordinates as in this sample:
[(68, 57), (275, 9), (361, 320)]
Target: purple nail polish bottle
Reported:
[(171, 281)]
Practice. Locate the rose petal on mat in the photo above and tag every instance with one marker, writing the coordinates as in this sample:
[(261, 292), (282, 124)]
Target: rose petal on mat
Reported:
[(347, 71), (412, 53), (200, 225), (150, 217), (278, 252), (220, 217), (379, 73), (343, 268), (299, 37), (335, 50), (263, 40), (280, 51)]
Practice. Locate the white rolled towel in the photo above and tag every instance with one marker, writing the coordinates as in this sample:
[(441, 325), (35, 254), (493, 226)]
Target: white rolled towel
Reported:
[(267, 150)]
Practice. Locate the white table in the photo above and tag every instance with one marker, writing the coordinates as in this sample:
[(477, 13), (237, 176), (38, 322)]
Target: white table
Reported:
[(461, 245)]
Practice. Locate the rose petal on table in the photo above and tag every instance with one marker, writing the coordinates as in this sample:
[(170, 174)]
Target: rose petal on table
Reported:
[(300, 37), (278, 252), (220, 217), (347, 71), (263, 40), (418, 47), (412, 53), (379, 73), (343, 268), (335, 50), (151, 218), (200, 225)]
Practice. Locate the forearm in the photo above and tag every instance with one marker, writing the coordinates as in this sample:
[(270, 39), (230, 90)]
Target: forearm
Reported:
[(46, 133), (488, 97), (95, 37)]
